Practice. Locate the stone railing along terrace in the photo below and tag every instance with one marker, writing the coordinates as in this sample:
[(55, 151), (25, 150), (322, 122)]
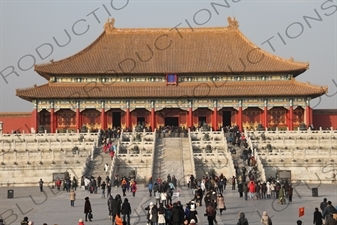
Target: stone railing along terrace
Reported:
[(211, 147), (145, 142), (24, 157), (140, 159), (191, 152), (305, 153), (45, 148)]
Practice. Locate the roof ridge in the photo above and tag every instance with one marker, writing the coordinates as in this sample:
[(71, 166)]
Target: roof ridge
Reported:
[(36, 66), (290, 61), (31, 87), (324, 88)]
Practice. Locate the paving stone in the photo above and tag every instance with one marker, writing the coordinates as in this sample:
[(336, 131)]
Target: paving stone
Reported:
[(53, 207)]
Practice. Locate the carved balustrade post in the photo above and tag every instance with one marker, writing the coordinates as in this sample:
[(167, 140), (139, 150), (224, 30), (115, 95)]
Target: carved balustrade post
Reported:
[(28, 156)]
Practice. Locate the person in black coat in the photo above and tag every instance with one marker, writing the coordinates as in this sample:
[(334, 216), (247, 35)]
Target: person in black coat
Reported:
[(240, 189), (126, 211), (318, 217), (175, 214), (87, 208), (110, 201), (116, 209), (154, 217)]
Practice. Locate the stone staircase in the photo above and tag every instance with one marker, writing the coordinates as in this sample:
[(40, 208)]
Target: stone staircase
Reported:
[(172, 157), (238, 161), (100, 159)]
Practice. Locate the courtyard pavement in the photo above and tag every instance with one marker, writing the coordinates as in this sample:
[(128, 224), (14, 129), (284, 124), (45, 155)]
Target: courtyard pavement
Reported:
[(53, 207)]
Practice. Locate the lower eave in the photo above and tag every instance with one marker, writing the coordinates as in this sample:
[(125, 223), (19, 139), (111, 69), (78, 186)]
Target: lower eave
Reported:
[(185, 90)]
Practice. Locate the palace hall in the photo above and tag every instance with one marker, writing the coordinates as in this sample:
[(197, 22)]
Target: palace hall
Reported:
[(182, 77)]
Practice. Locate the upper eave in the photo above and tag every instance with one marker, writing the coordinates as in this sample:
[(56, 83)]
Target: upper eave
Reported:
[(243, 89), (141, 51)]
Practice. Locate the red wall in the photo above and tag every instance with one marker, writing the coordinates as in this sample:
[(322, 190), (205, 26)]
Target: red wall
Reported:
[(12, 121), (324, 118), (16, 122)]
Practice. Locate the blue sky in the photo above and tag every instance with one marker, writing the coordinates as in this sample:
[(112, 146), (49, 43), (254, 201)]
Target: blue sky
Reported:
[(28, 28)]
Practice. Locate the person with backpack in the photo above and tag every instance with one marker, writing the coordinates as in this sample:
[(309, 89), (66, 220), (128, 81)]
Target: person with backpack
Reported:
[(265, 219), (124, 186)]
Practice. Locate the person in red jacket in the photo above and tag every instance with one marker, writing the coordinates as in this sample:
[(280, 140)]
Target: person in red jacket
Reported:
[(80, 222), (133, 189), (251, 189)]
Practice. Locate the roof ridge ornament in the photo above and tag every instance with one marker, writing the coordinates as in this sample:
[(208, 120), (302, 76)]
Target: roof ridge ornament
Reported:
[(232, 23), (109, 24)]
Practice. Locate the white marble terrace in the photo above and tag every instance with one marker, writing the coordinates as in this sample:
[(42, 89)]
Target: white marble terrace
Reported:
[(210, 147), (145, 142), (306, 153), (46, 148)]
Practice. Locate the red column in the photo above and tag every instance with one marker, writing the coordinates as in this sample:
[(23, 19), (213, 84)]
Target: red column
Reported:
[(128, 119), (103, 122), (265, 117), (78, 119), (239, 119), (153, 120), (35, 120), (308, 120), (291, 118), (190, 117), (214, 120), (52, 121)]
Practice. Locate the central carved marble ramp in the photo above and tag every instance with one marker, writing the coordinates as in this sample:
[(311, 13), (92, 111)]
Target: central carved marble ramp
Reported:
[(172, 157)]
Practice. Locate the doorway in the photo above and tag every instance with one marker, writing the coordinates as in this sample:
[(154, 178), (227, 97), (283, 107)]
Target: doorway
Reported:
[(226, 118), (172, 121), (202, 120), (141, 121), (116, 119)]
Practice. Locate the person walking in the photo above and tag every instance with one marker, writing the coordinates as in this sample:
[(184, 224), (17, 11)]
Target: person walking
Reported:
[(41, 185), (242, 219), (116, 209), (210, 212), (149, 186), (110, 201), (106, 168), (103, 185), (124, 186), (265, 219), (87, 209), (245, 190), (233, 183), (329, 209), (72, 197), (318, 217), (126, 211), (220, 202), (133, 188)]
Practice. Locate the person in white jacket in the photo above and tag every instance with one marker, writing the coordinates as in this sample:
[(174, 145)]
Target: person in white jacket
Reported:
[(106, 168), (163, 198)]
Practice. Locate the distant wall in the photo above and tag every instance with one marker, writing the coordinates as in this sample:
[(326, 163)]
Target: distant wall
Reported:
[(16, 121), (325, 118)]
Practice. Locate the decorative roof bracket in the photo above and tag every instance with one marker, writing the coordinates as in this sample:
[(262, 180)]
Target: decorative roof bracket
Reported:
[(109, 25), (232, 23)]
